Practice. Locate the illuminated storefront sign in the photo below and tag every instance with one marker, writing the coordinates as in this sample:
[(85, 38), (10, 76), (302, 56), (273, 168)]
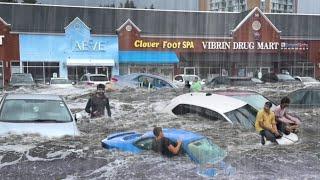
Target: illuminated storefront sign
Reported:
[(89, 46), (164, 44), (1, 37)]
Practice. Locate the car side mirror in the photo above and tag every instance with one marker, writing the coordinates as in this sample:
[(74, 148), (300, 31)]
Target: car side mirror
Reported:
[(77, 116)]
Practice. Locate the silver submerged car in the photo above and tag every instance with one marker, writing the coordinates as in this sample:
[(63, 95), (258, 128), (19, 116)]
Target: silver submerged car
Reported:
[(142, 80), (46, 115)]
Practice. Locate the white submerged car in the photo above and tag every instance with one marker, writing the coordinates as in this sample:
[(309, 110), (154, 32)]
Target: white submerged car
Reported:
[(213, 107), (46, 115)]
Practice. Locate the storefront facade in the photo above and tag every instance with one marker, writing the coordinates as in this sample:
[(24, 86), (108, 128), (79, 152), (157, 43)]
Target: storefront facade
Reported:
[(9, 53), (71, 54), (254, 45), (125, 41)]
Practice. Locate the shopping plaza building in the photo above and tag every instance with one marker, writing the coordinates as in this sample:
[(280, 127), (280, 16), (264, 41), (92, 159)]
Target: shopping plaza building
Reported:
[(69, 41)]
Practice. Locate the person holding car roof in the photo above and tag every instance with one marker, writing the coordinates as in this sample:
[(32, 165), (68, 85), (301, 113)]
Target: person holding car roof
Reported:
[(163, 145)]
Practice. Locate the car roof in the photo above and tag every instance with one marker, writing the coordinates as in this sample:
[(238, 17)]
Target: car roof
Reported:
[(34, 96), (177, 134), (187, 75), (95, 74), (216, 102), (234, 92)]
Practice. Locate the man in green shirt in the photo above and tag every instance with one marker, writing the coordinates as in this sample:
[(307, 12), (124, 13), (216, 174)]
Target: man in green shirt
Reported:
[(266, 124), (196, 85)]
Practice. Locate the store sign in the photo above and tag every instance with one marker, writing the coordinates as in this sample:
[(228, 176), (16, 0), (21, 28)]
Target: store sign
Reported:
[(221, 45), (89, 46), (1, 37), (164, 44), (294, 46)]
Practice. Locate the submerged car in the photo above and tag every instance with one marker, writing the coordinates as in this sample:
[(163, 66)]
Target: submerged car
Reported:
[(253, 98), (46, 115), (181, 79), (274, 78), (136, 80), (199, 148), (308, 81), (21, 79), (306, 97), (94, 79), (213, 107), (233, 81), (61, 82)]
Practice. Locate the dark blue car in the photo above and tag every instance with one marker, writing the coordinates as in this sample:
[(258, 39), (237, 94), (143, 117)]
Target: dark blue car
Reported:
[(199, 148)]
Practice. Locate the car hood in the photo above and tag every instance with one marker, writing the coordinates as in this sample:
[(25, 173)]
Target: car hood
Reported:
[(123, 141), (43, 129)]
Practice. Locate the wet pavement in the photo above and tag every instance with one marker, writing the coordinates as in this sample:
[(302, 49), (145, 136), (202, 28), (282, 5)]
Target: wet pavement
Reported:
[(34, 157)]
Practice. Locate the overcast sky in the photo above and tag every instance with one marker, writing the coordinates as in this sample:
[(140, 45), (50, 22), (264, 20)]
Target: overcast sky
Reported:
[(159, 4)]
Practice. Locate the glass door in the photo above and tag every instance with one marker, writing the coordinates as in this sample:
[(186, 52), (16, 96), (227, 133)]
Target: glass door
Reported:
[(190, 70), (1, 74)]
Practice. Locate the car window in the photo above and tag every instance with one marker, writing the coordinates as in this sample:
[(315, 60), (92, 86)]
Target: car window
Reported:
[(204, 151), (255, 100), (297, 97), (22, 110), (145, 143), (182, 109), (285, 77), (315, 100), (21, 78), (83, 78), (178, 78), (246, 116), (161, 83), (98, 78)]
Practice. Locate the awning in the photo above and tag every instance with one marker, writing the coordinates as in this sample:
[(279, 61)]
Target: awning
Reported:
[(148, 57), (90, 62)]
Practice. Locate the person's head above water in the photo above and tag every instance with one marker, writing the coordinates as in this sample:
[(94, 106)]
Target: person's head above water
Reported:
[(157, 132), (101, 88)]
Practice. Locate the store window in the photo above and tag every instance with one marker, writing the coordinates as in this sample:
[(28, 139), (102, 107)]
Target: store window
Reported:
[(41, 72)]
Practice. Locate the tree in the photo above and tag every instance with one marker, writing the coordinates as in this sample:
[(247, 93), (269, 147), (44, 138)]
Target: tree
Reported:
[(30, 1), (11, 1), (121, 5), (151, 7), (129, 4)]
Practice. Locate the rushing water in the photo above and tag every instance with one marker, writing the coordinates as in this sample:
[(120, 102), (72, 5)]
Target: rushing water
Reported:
[(34, 157)]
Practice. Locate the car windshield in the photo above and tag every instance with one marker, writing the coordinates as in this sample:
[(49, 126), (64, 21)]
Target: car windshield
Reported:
[(204, 151), (285, 77), (98, 78), (246, 116), (308, 79), (60, 81), (21, 78), (255, 100), (30, 110)]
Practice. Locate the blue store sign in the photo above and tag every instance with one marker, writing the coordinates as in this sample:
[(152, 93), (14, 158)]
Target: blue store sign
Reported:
[(76, 47)]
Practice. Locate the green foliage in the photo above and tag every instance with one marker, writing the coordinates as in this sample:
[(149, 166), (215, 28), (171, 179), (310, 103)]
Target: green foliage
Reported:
[(30, 1), (10, 1)]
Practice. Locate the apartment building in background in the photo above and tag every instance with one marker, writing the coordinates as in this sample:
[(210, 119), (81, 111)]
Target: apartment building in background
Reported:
[(268, 6)]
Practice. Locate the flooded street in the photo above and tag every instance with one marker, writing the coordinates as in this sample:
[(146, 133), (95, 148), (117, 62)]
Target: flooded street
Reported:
[(34, 157)]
